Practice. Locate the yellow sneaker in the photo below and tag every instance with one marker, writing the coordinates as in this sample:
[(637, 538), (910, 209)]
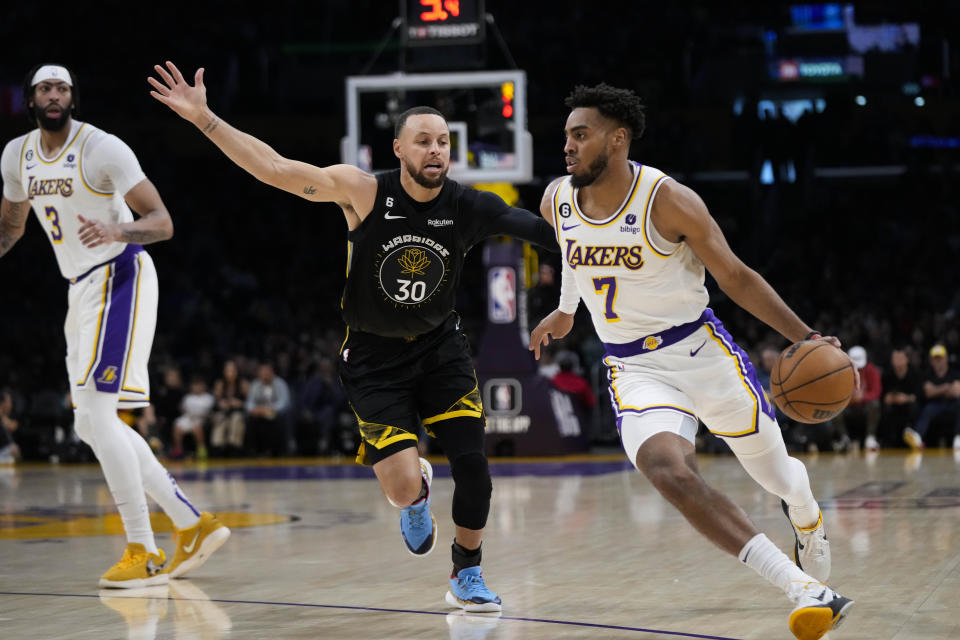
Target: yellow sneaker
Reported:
[(195, 544), (136, 569)]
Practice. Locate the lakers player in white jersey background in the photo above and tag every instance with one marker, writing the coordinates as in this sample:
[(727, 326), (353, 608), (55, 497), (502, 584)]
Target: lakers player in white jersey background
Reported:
[(635, 247), (82, 184)]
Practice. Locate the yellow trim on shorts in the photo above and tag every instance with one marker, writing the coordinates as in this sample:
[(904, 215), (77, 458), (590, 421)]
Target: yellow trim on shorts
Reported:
[(96, 342), (397, 438), (462, 413), (133, 330), (755, 424), (457, 410), (622, 407)]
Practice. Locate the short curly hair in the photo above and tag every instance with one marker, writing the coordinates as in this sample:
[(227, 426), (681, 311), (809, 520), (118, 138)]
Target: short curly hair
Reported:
[(621, 105)]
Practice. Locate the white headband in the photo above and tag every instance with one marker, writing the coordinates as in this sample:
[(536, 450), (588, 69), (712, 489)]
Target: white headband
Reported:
[(51, 72)]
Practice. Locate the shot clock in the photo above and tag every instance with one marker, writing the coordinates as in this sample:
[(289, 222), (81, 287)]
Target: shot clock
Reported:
[(442, 22)]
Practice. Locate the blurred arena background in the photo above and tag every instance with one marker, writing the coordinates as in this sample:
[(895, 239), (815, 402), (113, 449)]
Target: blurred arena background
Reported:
[(823, 137)]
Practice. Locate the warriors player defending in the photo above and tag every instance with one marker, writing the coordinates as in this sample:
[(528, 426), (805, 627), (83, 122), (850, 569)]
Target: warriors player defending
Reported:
[(82, 183), (634, 245), (405, 362)]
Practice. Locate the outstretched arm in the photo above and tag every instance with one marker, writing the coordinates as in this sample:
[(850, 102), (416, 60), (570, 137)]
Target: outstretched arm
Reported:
[(680, 214), (13, 220), (343, 184)]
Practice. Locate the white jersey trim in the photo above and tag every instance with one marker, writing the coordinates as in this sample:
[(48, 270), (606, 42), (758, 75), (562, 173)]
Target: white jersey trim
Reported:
[(650, 234), (637, 173)]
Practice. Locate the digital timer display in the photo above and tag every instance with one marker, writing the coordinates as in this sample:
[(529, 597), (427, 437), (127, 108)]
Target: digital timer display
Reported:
[(450, 22)]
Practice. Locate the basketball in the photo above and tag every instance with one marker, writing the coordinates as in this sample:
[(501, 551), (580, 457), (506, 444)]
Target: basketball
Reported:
[(812, 381)]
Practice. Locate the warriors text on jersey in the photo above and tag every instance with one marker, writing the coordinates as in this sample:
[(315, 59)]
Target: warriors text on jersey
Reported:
[(633, 281), (89, 177), (404, 260)]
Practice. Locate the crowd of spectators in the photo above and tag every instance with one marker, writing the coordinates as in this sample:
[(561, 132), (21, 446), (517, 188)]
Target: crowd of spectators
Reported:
[(250, 284)]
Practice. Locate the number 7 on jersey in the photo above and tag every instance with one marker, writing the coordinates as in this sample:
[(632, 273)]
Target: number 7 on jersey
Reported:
[(608, 286)]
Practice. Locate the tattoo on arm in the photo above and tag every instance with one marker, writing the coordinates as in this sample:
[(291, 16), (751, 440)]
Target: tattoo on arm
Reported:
[(144, 230), (211, 125), (309, 190), (11, 225), (140, 236)]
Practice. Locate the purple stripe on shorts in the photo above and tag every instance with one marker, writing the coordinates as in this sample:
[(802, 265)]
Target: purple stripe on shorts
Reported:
[(116, 329), (744, 364)]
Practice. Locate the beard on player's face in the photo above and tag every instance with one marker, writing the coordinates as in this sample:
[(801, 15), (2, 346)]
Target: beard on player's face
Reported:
[(421, 178), (52, 123), (597, 167)]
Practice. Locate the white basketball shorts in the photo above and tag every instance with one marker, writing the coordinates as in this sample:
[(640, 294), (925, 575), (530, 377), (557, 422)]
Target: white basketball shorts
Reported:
[(695, 370), (111, 318)]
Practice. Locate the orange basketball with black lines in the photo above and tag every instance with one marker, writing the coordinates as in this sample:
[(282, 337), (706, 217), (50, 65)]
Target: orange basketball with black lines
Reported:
[(812, 381)]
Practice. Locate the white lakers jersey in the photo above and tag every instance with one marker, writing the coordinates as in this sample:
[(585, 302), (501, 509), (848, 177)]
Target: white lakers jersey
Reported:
[(88, 177), (633, 281)]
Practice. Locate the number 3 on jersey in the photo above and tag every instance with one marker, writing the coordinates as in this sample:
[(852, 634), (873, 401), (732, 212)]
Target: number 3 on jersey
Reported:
[(56, 234), (608, 286)]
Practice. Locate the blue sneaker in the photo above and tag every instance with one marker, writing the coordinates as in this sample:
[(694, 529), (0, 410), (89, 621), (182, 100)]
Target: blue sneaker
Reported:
[(418, 527), (469, 592)]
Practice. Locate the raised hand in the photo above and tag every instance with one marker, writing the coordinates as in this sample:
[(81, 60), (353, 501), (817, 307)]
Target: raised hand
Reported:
[(189, 102)]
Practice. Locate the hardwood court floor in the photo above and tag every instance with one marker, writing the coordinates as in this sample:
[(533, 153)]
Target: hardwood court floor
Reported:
[(577, 548)]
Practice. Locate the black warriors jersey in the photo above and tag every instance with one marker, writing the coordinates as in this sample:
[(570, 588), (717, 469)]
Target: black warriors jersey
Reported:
[(404, 260)]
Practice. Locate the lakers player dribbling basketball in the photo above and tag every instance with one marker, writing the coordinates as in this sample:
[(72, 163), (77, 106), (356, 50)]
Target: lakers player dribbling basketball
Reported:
[(635, 245), (82, 184)]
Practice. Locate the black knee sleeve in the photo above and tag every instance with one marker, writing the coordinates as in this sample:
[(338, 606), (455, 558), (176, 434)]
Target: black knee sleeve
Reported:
[(472, 489)]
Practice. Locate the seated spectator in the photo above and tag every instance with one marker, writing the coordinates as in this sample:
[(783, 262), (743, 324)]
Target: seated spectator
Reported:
[(568, 379), (547, 365), (941, 391), (196, 406), (320, 402), (9, 452), (864, 403), (229, 422), (267, 404), (166, 400), (901, 388)]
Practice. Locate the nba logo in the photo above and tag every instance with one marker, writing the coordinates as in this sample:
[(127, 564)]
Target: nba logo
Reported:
[(503, 396), (502, 295)]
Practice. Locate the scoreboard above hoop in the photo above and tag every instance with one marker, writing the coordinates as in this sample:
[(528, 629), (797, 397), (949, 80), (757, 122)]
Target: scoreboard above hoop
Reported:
[(446, 22)]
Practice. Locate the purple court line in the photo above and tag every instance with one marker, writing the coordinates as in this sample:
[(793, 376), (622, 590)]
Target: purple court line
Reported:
[(591, 625)]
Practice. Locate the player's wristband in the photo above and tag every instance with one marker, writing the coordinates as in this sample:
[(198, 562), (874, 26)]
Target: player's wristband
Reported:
[(813, 335)]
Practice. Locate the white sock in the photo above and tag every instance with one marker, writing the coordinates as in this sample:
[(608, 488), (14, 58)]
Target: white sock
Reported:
[(765, 558), (96, 419), (161, 486), (806, 515)]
